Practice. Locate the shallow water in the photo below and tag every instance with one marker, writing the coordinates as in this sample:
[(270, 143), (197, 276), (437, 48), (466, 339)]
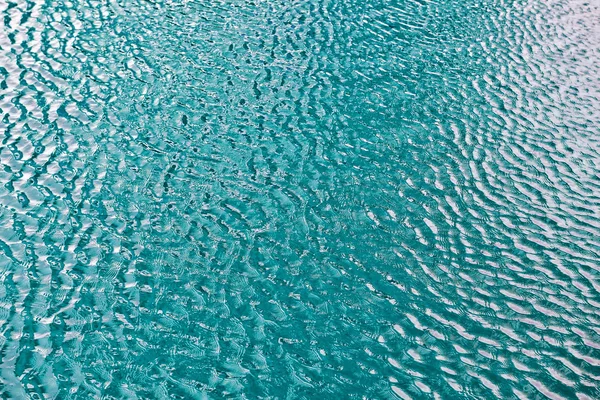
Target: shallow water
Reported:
[(300, 199)]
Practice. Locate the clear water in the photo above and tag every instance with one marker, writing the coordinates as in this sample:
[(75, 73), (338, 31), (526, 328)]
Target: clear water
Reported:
[(300, 199)]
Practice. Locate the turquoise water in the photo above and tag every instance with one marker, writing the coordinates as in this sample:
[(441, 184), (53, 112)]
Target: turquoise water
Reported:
[(300, 199)]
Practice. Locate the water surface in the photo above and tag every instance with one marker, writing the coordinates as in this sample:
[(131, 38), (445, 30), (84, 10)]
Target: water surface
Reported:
[(300, 199)]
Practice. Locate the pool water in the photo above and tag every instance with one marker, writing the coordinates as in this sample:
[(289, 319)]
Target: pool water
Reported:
[(300, 199)]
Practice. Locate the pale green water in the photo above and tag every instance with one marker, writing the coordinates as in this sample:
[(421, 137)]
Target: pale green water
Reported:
[(300, 199)]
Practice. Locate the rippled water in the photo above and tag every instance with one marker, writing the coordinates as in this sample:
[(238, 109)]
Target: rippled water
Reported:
[(300, 199)]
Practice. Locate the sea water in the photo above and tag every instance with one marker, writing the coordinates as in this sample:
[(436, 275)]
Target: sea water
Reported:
[(300, 199)]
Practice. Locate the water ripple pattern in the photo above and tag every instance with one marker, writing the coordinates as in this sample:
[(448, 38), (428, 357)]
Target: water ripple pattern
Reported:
[(299, 199)]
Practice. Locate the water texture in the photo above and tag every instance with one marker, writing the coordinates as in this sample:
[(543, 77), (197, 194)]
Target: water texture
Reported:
[(298, 199)]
